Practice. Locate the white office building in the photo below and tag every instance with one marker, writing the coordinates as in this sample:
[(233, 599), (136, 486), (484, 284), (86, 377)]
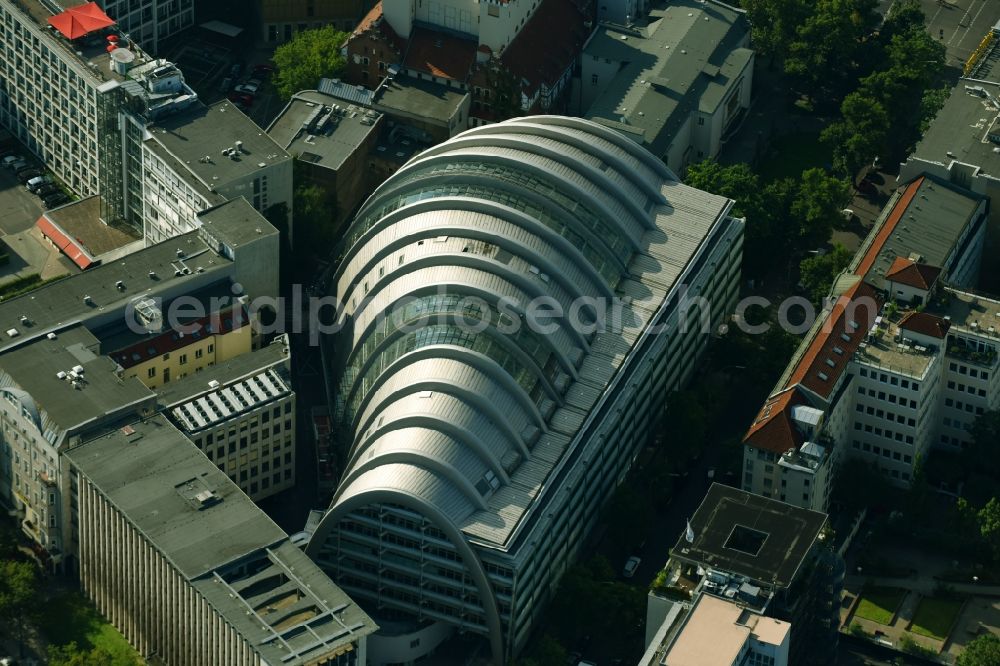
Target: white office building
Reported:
[(902, 362)]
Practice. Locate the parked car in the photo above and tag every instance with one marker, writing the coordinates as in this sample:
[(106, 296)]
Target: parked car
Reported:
[(631, 565), (235, 70), (54, 199), (255, 82), (47, 189), (241, 98), (10, 160), (710, 475), (262, 69), (226, 84), (37, 182), (27, 173), (248, 87)]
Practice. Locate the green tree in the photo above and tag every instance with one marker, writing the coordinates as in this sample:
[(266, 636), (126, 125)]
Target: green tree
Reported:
[(989, 526), (817, 273), (859, 136), (763, 237), (982, 651), (930, 104), (72, 655), (817, 206), (18, 605), (822, 59), (774, 24), (309, 56), (903, 16)]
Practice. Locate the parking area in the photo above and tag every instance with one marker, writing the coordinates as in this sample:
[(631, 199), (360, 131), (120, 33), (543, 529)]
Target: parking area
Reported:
[(214, 70), (19, 208)]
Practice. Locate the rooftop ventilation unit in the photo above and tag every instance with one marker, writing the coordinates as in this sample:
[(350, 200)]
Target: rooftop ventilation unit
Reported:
[(78, 369), (119, 285), (51, 336)]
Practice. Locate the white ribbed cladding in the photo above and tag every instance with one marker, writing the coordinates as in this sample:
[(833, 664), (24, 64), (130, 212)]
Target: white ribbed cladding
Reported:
[(498, 239), (441, 416)]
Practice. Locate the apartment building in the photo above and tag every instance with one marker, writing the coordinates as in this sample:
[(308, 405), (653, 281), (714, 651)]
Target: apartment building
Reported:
[(504, 54), (151, 21), (56, 389), (122, 124), (676, 80), (207, 578), (58, 369), (202, 157), (241, 414), (478, 459), (751, 581), (900, 361)]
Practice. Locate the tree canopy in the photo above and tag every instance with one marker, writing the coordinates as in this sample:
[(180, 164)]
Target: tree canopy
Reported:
[(784, 218), (981, 651), (18, 587), (73, 655), (823, 55), (816, 273), (309, 56)]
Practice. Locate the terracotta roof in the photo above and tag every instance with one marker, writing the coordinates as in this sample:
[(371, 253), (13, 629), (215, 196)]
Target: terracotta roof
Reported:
[(440, 54), (844, 329), (72, 248), (912, 274), (373, 15), (890, 226), (548, 44), (375, 19), (213, 324), (925, 324), (773, 429)]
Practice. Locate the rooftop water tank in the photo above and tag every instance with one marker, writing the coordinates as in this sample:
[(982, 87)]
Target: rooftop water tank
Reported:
[(122, 60)]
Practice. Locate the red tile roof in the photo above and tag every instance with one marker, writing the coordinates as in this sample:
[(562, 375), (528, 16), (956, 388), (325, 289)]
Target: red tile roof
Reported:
[(844, 329), (818, 368), (773, 429), (440, 54), (375, 20), (223, 322), (548, 44), (925, 324), (69, 246), (910, 273), (890, 226)]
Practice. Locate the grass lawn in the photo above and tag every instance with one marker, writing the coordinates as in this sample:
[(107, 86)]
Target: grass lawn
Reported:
[(879, 604), (935, 617), (70, 617), (791, 154)]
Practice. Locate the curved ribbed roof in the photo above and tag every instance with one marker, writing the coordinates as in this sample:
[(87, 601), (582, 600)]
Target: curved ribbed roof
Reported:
[(454, 246)]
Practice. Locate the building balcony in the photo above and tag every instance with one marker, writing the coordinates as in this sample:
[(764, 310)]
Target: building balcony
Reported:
[(985, 357)]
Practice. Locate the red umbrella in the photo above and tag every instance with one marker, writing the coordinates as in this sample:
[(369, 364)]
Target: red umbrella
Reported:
[(80, 21)]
